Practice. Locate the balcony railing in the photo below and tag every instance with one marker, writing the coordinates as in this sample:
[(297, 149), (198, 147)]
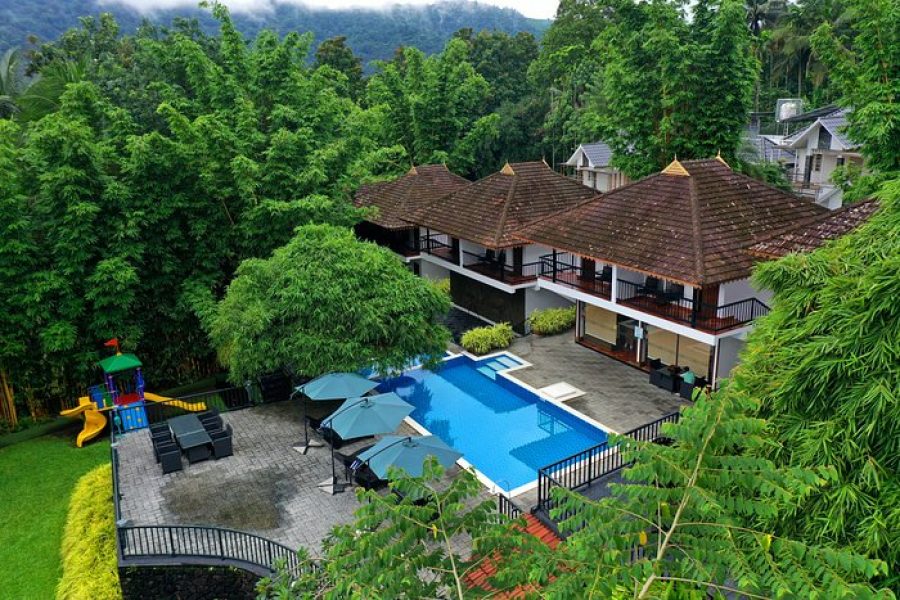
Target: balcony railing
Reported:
[(440, 245), (495, 269), (671, 304), (561, 268)]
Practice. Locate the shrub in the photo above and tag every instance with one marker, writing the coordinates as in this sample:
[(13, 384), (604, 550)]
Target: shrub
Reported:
[(482, 340), (552, 320), (443, 285), (89, 568)]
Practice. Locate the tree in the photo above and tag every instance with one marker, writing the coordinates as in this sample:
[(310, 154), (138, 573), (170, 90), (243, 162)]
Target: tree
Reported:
[(326, 302), (685, 524), (335, 53), (669, 86), (415, 542), (865, 68), (822, 368), (11, 83)]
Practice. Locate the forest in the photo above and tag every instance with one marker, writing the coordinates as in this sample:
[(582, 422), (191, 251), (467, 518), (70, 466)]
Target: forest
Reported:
[(143, 168)]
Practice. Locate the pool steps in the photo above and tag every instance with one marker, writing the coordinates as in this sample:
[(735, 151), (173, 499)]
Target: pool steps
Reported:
[(500, 363)]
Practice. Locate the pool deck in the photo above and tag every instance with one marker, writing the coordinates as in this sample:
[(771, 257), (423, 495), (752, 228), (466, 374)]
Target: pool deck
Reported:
[(616, 395)]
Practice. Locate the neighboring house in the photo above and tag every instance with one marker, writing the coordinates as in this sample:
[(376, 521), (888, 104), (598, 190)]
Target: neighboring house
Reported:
[(591, 163), (659, 268), (815, 232), (820, 148), (472, 237), (765, 148), (398, 198)]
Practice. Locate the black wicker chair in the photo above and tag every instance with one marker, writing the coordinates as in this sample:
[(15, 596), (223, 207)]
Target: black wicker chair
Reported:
[(170, 459)]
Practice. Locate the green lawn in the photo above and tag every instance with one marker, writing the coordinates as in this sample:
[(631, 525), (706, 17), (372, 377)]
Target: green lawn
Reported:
[(36, 480)]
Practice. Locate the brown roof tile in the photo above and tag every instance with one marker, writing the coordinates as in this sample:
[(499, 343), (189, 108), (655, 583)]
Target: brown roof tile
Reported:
[(816, 231), (493, 210), (401, 197), (693, 228)]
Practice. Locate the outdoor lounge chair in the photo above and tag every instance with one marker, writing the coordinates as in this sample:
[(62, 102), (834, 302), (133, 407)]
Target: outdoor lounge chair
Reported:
[(651, 287), (211, 422), (161, 446), (606, 274), (367, 479), (221, 443), (347, 459), (170, 460), (686, 390), (198, 453), (158, 428)]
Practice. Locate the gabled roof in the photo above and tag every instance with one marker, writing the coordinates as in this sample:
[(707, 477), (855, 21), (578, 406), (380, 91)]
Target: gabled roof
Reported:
[(493, 210), (816, 231), (119, 362), (401, 197), (690, 223), (597, 153), (834, 122)]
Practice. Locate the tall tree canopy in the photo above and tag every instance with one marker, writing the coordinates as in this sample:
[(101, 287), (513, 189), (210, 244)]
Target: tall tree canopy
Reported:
[(326, 302)]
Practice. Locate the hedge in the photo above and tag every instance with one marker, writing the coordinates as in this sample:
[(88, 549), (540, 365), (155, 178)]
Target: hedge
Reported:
[(482, 340), (89, 565), (552, 320)]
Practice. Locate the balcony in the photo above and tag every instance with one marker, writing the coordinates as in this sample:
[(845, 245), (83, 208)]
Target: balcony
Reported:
[(495, 267), (562, 269), (671, 304), (440, 245), (650, 297)]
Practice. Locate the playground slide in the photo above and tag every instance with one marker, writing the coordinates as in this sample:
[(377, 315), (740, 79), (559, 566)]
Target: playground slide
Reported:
[(189, 406), (94, 420)]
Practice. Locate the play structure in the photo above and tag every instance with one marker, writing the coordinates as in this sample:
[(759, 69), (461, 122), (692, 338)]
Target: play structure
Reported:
[(121, 397)]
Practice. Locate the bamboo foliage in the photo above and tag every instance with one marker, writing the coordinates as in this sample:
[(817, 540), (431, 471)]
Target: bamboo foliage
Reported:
[(7, 401)]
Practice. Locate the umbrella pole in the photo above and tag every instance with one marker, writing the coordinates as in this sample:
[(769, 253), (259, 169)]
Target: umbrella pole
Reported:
[(306, 444), (332, 485)]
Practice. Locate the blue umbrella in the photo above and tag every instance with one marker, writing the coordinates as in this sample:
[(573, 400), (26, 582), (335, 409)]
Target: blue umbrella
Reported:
[(359, 417), (337, 386), (407, 453), (332, 386)]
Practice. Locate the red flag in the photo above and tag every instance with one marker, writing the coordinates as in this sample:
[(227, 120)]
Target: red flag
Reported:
[(113, 343)]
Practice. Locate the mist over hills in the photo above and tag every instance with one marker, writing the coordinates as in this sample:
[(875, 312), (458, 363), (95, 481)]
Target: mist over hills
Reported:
[(372, 33)]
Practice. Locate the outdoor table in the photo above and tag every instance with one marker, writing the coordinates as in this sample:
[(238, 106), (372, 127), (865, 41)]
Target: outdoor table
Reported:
[(191, 436)]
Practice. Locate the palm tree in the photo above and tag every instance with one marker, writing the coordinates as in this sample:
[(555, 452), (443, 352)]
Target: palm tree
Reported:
[(12, 84)]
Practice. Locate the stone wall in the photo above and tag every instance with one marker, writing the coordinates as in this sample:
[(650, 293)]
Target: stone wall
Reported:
[(187, 583), (491, 303)]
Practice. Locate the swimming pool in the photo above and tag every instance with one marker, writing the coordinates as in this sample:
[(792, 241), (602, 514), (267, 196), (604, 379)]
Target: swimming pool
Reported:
[(504, 430)]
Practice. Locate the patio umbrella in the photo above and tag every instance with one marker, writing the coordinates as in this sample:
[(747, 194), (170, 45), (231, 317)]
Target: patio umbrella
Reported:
[(407, 453), (331, 386), (359, 417)]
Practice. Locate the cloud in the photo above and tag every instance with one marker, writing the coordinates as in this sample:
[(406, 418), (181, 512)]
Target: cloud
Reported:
[(541, 9)]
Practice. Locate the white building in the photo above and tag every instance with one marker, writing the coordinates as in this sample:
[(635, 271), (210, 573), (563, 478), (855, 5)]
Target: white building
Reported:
[(591, 163)]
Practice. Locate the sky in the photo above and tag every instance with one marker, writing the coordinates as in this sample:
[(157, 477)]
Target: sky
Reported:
[(539, 9)]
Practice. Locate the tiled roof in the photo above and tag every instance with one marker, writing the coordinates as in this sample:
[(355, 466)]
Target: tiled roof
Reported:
[(395, 199), (494, 209), (478, 577), (817, 231), (834, 122), (691, 223)]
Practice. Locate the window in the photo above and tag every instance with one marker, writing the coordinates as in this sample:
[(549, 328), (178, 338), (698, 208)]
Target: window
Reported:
[(817, 163), (840, 161), (824, 139)]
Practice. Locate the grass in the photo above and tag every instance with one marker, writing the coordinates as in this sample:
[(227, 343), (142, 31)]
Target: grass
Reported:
[(38, 477)]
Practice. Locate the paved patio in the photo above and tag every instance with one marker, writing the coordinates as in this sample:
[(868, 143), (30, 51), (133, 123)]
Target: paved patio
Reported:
[(266, 488), (618, 396)]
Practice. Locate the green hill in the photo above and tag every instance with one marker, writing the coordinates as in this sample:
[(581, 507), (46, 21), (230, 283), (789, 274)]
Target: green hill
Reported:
[(373, 34)]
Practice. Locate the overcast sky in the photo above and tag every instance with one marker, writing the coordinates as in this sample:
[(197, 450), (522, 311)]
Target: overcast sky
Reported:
[(542, 9)]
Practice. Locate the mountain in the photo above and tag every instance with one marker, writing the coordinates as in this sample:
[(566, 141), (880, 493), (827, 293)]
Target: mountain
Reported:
[(373, 34)]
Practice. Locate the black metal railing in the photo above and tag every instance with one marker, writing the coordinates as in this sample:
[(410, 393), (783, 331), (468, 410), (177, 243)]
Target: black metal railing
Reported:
[(182, 544), (671, 304), (494, 267), (436, 243), (507, 508), (562, 268), (580, 470), (223, 400)]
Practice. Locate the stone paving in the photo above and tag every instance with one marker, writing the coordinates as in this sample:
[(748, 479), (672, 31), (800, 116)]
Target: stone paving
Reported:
[(266, 487), (270, 489), (617, 396)]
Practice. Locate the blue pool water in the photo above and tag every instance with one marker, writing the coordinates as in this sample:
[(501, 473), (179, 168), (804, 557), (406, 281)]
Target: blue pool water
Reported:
[(502, 429)]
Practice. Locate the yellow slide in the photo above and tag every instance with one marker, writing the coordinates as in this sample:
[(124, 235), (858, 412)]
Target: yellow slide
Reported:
[(189, 406), (94, 420)]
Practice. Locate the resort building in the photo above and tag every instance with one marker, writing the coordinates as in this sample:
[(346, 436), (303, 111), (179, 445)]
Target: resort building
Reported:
[(591, 163), (820, 148), (391, 201), (659, 268), (472, 237)]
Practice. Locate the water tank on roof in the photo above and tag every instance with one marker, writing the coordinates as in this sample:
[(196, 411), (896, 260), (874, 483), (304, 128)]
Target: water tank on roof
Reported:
[(785, 108)]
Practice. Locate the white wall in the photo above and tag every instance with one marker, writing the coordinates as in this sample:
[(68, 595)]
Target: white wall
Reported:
[(729, 348), (533, 252), (430, 270), (740, 290), (632, 276), (541, 299)]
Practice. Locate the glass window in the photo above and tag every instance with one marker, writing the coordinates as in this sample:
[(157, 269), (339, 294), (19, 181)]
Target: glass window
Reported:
[(817, 163)]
